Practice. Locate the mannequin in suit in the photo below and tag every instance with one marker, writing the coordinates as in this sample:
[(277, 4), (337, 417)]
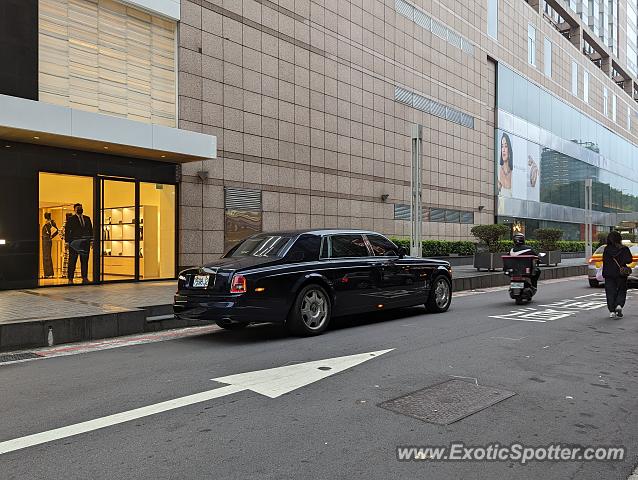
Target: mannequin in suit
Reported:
[(79, 235)]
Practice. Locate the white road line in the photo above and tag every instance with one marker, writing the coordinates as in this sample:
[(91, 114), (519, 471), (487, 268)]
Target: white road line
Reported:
[(90, 425)]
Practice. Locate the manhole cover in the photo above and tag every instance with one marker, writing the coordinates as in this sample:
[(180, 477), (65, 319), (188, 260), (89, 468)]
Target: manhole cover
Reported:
[(11, 357), (447, 402)]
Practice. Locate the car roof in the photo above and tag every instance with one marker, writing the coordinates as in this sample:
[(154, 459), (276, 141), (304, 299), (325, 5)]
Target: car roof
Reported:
[(320, 231)]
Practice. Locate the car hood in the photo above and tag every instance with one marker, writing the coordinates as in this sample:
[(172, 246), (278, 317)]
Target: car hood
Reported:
[(242, 263)]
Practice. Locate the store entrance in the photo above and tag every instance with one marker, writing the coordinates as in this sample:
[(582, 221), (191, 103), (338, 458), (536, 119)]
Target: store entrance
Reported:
[(120, 233), (128, 225)]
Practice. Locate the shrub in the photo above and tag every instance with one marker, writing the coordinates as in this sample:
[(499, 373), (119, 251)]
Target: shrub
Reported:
[(490, 235), (461, 247), (436, 248), (570, 246), (548, 238)]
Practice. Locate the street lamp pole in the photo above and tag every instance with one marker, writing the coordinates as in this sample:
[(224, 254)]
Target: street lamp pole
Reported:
[(416, 203), (588, 217)]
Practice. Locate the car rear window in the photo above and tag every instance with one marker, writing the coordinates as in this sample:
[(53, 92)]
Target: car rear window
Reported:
[(599, 250), (261, 246)]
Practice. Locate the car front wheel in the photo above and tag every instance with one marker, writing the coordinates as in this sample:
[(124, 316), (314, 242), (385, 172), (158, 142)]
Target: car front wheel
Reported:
[(594, 283), (440, 295), (310, 312)]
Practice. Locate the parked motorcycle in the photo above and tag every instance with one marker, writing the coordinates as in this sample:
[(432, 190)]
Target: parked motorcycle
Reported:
[(521, 268)]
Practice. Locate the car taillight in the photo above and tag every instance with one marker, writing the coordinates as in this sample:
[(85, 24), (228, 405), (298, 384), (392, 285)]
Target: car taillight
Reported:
[(593, 260), (634, 258), (238, 284)]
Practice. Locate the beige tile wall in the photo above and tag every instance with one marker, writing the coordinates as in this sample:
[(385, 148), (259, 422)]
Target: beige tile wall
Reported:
[(300, 95)]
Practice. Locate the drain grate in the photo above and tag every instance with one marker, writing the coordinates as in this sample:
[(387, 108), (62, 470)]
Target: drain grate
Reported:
[(446, 402), (12, 357)]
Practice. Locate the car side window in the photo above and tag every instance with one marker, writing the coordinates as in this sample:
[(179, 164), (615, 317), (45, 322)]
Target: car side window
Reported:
[(381, 246), (348, 246), (306, 247)]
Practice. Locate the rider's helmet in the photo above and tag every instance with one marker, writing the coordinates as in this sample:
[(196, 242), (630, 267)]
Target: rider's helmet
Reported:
[(519, 239)]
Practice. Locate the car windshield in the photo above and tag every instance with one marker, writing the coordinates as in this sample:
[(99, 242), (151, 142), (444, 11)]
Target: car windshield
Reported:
[(260, 246)]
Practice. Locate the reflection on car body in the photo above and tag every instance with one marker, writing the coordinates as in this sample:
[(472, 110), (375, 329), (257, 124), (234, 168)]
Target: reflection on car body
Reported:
[(304, 278)]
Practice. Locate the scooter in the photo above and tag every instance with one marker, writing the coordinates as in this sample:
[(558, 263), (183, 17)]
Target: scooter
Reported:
[(520, 268)]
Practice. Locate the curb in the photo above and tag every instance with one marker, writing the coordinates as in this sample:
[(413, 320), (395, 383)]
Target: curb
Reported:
[(35, 333), (498, 279)]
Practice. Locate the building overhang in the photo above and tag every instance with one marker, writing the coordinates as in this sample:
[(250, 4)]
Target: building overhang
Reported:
[(40, 123), (166, 8)]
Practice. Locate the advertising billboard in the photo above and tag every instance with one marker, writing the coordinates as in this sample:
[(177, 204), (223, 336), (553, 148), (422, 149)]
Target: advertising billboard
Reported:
[(518, 167)]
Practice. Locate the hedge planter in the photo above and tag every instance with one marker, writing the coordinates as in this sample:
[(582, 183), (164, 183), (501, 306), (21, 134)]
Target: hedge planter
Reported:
[(489, 261), (552, 257)]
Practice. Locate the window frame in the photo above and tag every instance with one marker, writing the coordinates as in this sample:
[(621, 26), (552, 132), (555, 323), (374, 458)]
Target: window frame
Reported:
[(547, 52), (531, 45)]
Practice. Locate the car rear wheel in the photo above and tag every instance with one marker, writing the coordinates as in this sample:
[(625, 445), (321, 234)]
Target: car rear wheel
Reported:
[(231, 325), (440, 295), (594, 283), (310, 312)]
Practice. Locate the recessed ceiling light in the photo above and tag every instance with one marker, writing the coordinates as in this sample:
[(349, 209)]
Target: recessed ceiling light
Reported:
[(106, 148), (163, 156), (7, 146), (37, 138)]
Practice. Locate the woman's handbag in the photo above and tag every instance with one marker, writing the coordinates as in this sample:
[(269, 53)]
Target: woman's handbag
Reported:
[(599, 274), (624, 270)]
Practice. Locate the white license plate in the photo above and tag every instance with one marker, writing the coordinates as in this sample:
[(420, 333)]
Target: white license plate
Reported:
[(200, 281), (517, 285)]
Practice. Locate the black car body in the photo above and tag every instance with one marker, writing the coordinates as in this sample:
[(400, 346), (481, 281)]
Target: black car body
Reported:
[(291, 277)]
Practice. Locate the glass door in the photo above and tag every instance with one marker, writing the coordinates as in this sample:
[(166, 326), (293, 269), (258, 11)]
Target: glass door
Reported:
[(120, 236)]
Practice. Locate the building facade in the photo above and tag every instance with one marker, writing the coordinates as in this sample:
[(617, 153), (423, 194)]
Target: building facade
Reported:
[(197, 122)]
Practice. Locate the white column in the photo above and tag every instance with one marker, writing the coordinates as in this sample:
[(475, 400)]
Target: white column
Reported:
[(416, 203)]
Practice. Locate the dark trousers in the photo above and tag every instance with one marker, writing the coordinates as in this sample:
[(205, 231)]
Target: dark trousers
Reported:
[(84, 264), (616, 292), (534, 277), (47, 261)]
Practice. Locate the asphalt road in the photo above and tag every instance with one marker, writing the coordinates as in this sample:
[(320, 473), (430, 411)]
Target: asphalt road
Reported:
[(575, 379)]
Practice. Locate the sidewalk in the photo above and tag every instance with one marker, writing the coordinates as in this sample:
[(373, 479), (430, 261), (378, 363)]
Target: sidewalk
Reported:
[(87, 312)]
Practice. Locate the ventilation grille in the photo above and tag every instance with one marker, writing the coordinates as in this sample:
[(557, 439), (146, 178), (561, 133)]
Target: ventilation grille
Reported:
[(432, 107), (241, 199), (430, 24)]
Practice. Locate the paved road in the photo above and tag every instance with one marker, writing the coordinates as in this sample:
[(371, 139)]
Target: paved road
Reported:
[(575, 379)]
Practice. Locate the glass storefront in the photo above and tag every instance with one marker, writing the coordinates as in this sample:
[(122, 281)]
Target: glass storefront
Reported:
[(135, 221), (545, 150), (57, 196)]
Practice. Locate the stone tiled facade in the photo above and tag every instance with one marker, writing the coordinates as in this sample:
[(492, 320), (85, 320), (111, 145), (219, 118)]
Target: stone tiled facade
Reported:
[(301, 96)]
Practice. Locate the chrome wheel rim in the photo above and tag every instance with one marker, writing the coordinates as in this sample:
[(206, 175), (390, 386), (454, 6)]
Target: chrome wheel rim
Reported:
[(441, 293), (314, 309)]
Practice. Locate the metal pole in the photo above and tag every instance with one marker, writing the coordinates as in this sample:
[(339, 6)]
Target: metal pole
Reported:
[(416, 204), (588, 218)]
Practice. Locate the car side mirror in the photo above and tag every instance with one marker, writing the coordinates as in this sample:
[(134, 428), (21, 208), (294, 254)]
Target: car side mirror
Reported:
[(402, 252)]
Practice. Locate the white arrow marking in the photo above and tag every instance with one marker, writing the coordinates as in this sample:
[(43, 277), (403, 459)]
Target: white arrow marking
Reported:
[(272, 383)]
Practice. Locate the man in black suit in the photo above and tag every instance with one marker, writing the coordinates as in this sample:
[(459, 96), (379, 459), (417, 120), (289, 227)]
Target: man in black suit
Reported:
[(78, 234)]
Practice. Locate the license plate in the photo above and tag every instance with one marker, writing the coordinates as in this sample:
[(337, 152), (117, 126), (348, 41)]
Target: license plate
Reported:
[(517, 285), (200, 281)]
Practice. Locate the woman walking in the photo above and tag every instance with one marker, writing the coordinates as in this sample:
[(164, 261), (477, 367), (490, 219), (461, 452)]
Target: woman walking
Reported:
[(616, 256)]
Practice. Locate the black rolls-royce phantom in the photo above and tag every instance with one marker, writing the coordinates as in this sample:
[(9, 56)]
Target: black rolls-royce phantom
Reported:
[(304, 278)]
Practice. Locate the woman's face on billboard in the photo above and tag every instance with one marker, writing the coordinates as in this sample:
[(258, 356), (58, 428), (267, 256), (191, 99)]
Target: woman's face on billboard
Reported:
[(505, 152)]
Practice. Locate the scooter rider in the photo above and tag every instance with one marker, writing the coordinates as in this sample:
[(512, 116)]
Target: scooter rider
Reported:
[(520, 248)]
